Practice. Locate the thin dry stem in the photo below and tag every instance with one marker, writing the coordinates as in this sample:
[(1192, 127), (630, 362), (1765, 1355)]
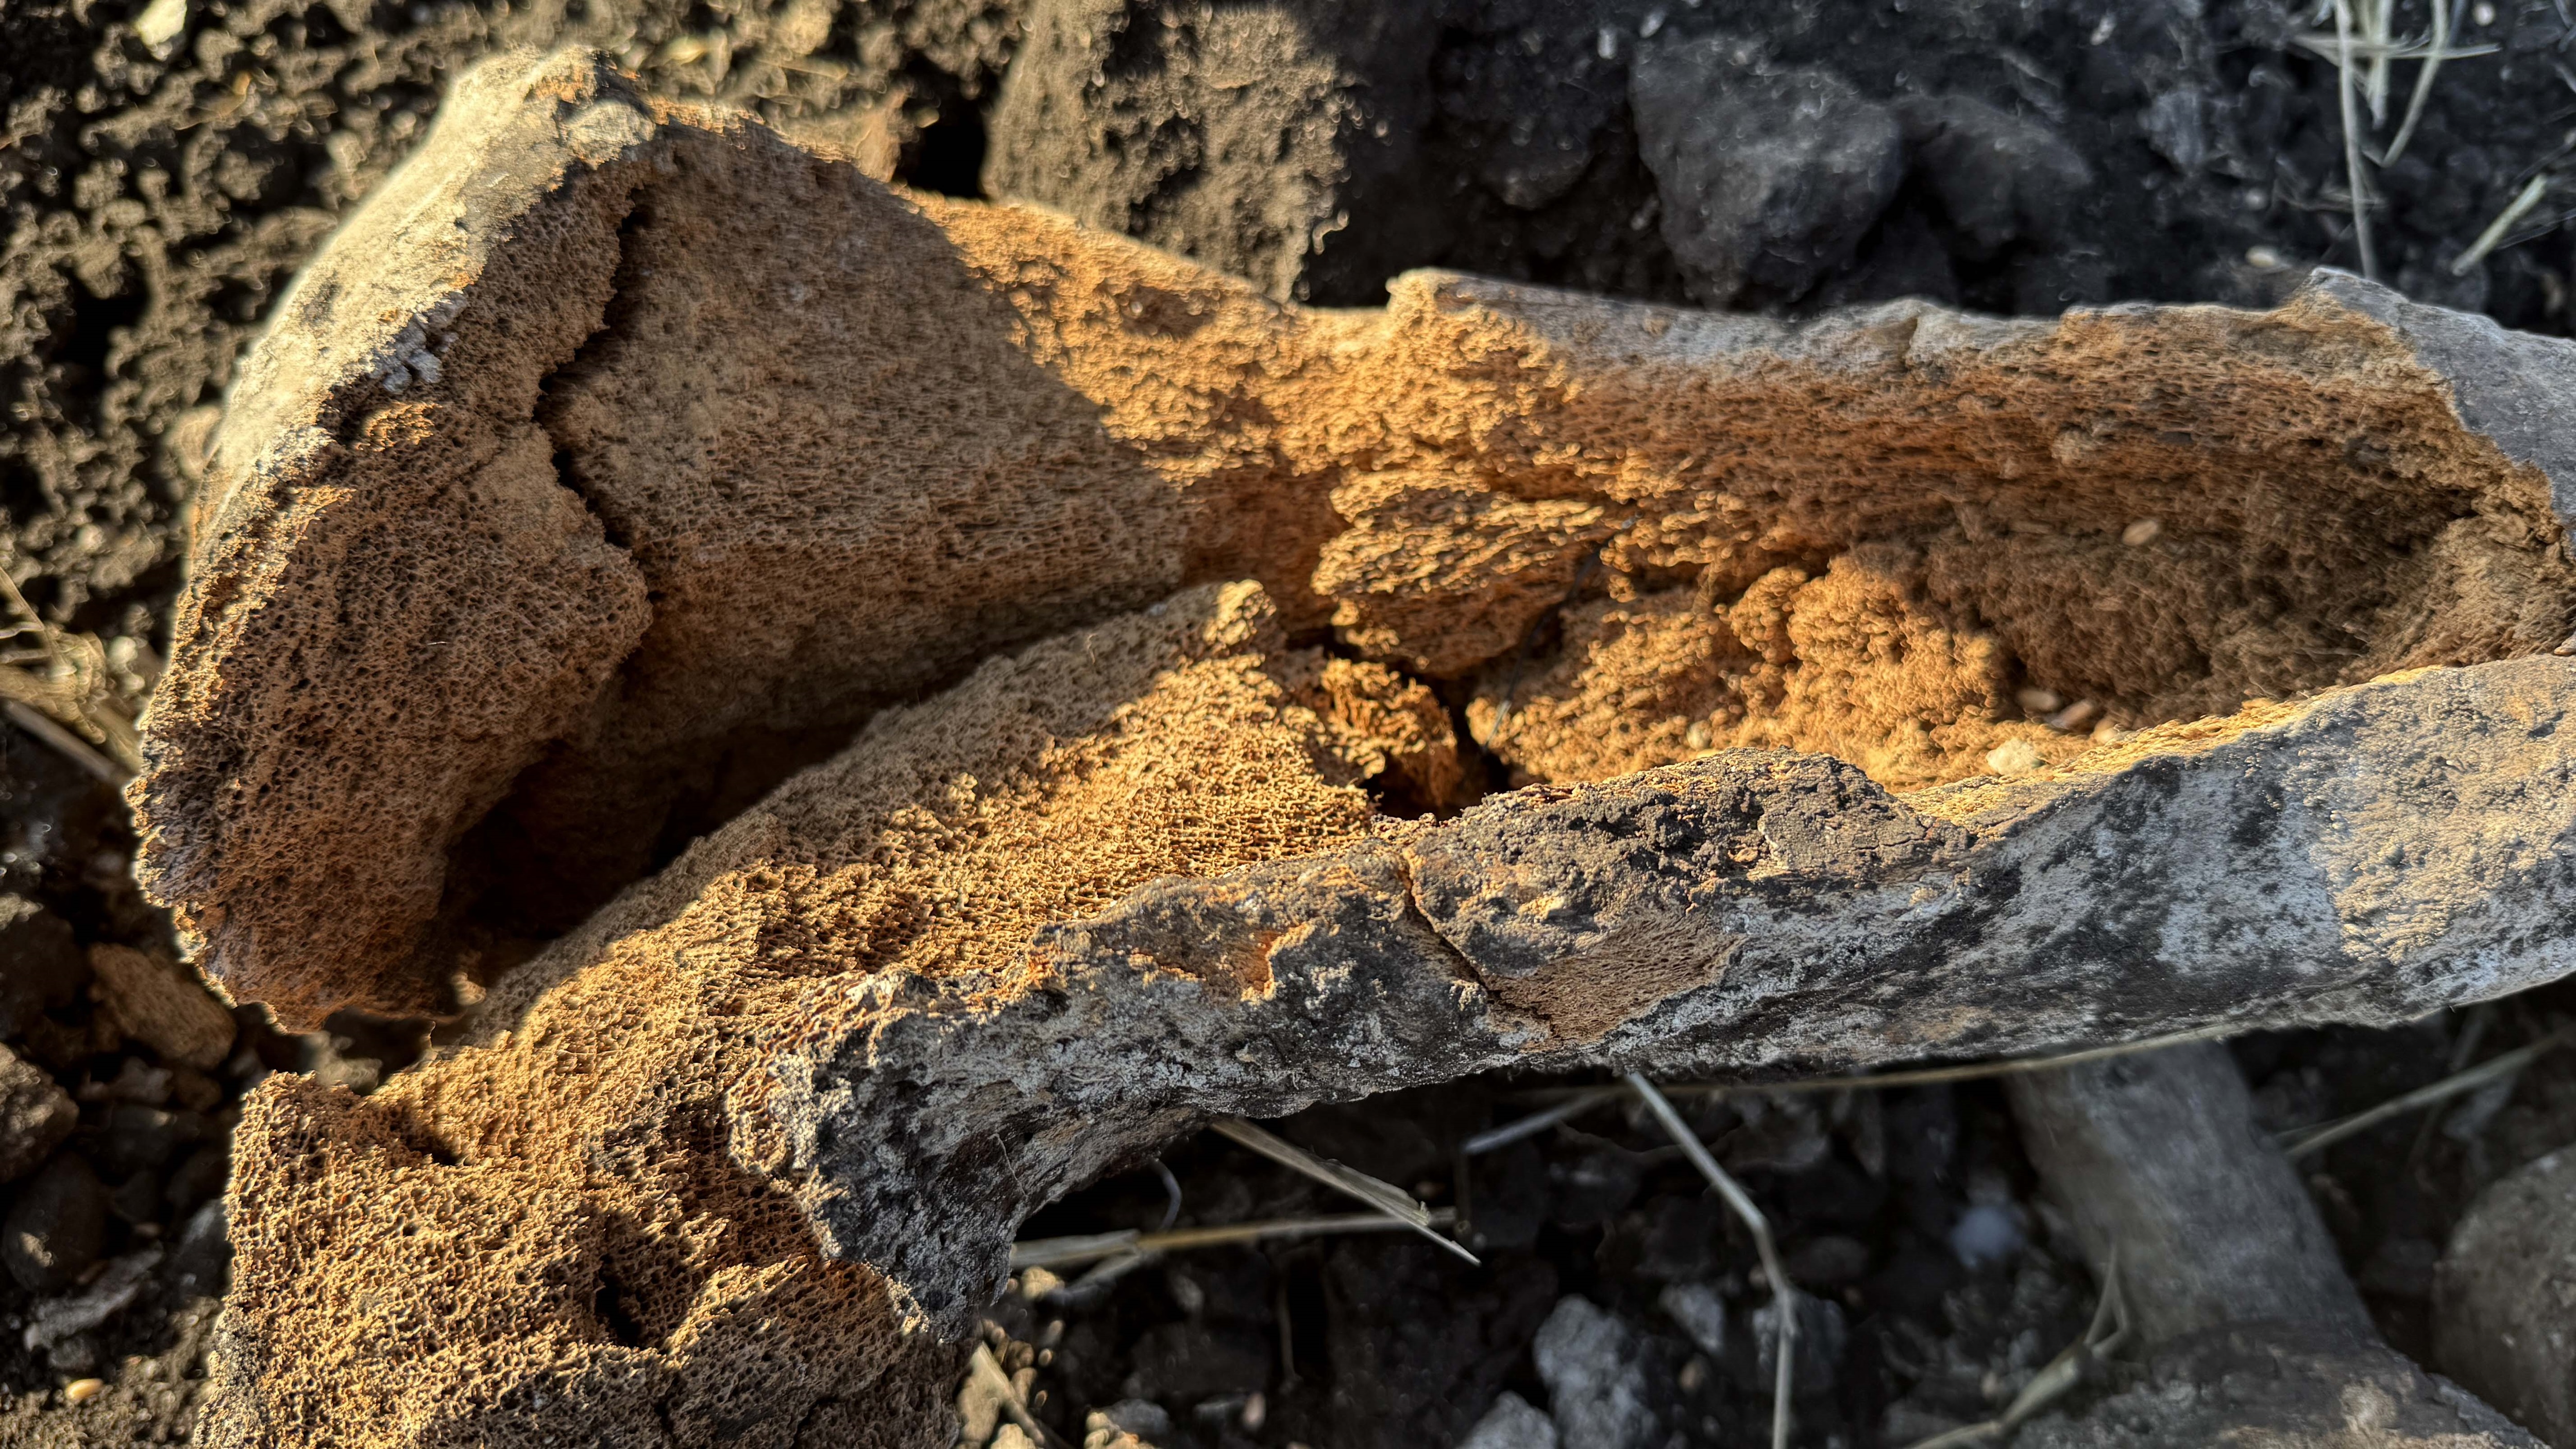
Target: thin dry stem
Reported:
[(1537, 1122), (2473, 1031), (2423, 83), (1386, 1197), (2374, 27), (2324, 47), (2356, 178), (2514, 211), (1784, 1295), (71, 746), (1575, 1100), (2316, 1139), (2102, 1338), (1096, 1247), (44, 631)]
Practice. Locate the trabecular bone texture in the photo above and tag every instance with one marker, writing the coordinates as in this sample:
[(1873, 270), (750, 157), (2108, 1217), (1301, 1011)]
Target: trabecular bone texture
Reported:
[(1893, 684)]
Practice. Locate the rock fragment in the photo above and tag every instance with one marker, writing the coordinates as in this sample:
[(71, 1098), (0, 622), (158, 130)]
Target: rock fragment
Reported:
[(2271, 1384), (1999, 178), (2228, 1277), (156, 1003), (56, 1226), (35, 1116), (1597, 1391), (2502, 1321), (40, 964), (2157, 1157), (1769, 177), (1529, 107), (1278, 142), (1512, 1423), (1700, 1312), (109, 1294), (1822, 1333)]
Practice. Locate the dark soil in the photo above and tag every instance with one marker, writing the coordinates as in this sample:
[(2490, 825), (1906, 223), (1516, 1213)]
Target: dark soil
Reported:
[(1384, 1340), (2045, 153), (157, 201), (153, 1138), (1912, 1211)]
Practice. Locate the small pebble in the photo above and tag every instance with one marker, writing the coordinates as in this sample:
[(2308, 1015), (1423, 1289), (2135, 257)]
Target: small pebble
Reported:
[(1597, 1390), (57, 1228), (1700, 1312), (1822, 1333), (2014, 757), (35, 1116), (2142, 532), (2035, 700), (81, 1391), (2263, 257), (1512, 1423), (1986, 1233)]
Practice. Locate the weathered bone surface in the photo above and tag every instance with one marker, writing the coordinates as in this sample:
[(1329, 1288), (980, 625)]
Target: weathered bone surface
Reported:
[(1747, 911), (620, 459)]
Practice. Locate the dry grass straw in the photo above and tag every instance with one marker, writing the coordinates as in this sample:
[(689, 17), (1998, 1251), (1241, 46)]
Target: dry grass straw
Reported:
[(1389, 1200), (2318, 1138), (2498, 229), (2362, 48), (71, 746), (1573, 1101), (1075, 1252), (2109, 1329), (1584, 1100), (1784, 1294), (2423, 83), (2356, 177)]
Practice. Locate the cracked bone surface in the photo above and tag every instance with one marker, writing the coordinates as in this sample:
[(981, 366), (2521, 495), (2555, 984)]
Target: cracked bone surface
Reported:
[(619, 461)]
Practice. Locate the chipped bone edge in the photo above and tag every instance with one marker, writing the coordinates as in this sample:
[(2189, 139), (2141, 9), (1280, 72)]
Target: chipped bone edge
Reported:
[(929, 1121)]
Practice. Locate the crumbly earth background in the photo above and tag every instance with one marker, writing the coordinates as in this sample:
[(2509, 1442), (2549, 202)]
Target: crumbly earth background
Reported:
[(158, 197)]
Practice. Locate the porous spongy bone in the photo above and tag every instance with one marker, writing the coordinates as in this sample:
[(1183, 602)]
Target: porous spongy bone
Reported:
[(618, 459), (698, 1159), (558, 1228)]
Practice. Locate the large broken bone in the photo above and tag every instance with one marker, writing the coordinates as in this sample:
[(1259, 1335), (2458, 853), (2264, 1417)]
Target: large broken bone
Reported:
[(616, 460), (561, 1226), (620, 459)]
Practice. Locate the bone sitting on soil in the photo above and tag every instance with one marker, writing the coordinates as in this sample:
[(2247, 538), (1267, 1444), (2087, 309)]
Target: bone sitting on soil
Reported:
[(2225, 1267), (817, 1027), (1630, 533)]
